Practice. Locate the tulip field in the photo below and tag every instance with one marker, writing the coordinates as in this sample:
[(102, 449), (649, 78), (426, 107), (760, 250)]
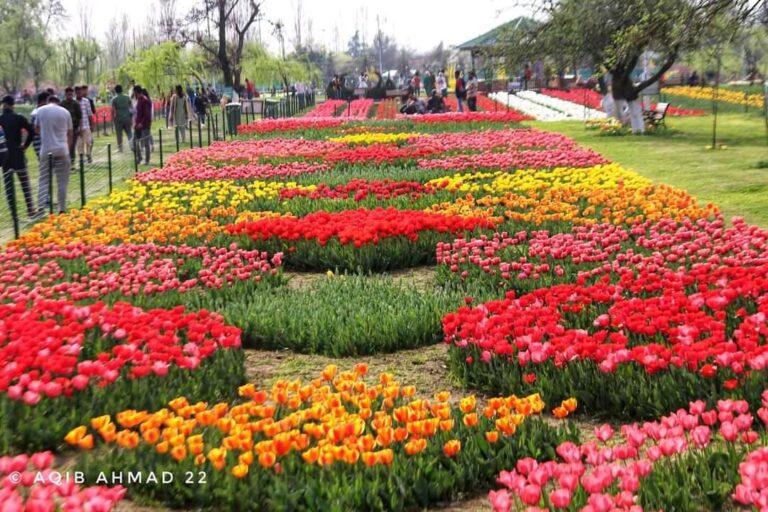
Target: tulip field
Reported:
[(605, 336)]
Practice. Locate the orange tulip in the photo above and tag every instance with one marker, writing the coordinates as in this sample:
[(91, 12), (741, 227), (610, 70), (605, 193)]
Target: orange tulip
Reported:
[(468, 404), (329, 372), (361, 369), (162, 447), (452, 447), (369, 458), (246, 458), (310, 456), (199, 459), (267, 459), (179, 453), (240, 471), (100, 422), (385, 456), (470, 419), (86, 443), (75, 435), (570, 404), (492, 436), (560, 412)]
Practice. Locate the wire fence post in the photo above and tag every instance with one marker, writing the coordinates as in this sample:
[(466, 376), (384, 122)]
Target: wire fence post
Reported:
[(50, 183), (191, 135), (11, 190), (104, 124), (176, 129), (82, 180), (109, 165), (199, 133), (224, 123), (160, 143), (208, 126)]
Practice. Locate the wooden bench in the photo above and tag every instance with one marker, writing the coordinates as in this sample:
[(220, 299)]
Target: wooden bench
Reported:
[(397, 93), (656, 116)]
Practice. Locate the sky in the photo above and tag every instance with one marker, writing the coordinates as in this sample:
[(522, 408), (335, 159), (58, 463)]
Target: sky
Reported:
[(417, 24)]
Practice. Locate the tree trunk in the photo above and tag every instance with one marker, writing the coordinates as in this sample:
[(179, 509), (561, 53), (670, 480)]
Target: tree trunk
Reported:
[(226, 68)]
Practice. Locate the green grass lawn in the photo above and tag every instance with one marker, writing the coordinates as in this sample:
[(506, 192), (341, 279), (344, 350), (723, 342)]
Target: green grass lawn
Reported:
[(729, 178)]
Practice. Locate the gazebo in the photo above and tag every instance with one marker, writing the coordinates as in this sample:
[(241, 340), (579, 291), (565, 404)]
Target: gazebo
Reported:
[(479, 46)]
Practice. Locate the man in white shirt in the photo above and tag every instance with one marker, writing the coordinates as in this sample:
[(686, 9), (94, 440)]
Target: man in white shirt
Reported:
[(54, 124), (85, 139)]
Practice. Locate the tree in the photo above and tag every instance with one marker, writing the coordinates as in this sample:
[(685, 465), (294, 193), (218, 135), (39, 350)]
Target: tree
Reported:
[(24, 24), (168, 23), (355, 46), (614, 35), (162, 66), (232, 21)]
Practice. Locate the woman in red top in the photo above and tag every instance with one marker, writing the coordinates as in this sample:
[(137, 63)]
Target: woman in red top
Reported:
[(460, 89)]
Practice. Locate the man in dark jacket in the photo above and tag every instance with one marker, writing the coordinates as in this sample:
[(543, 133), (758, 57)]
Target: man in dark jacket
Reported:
[(142, 125), (16, 128), (73, 107)]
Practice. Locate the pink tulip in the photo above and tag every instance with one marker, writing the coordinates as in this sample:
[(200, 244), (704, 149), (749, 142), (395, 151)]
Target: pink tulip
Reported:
[(729, 431), (500, 500), (560, 498), (530, 494), (42, 460), (701, 436), (604, 432)]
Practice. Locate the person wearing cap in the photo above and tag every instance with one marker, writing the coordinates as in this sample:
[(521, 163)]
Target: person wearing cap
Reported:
[(55, 126), (19, 135)]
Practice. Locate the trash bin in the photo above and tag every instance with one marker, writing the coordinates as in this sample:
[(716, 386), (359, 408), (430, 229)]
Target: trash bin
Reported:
[(233, 117)]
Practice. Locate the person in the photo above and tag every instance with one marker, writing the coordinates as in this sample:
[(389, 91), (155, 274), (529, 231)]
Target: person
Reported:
[(180, 113), (607, 101), (693, 80), (55, 125), (336, 87), (429, 83), (436, 103), (636, 120), (121, 116), (416, 83), (42, 100), (15, 162), (301, 91), (527, 74), (145, 92), (472, 92), (73, 107), (142, 126), (441, 83), (460, 90), (201, 106), (85, 138), (249, 89)]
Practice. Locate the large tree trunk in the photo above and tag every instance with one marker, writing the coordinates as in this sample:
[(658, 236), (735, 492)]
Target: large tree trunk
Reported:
[(226, 68)]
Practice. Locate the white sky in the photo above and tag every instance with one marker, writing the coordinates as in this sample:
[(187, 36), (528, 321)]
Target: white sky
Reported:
[(418, 24)]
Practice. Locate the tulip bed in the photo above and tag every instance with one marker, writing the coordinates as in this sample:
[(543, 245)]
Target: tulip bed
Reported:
[(62, 361), (560, 277), (339, 442), (690, 460), (51, 492)]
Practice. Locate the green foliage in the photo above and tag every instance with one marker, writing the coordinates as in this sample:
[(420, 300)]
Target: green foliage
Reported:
[(409, 483), (343, 315), (161, 67), (702, 480), (264, 69), (629, 393)]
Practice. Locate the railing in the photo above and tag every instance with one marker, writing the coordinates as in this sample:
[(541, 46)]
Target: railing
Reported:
[(109, 168)]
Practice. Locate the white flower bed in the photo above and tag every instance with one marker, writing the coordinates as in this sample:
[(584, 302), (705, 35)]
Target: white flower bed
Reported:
[(567, 108), (533, 109)]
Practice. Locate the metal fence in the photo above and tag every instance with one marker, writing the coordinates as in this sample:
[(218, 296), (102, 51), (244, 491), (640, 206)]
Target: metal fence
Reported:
[(109, 168)]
